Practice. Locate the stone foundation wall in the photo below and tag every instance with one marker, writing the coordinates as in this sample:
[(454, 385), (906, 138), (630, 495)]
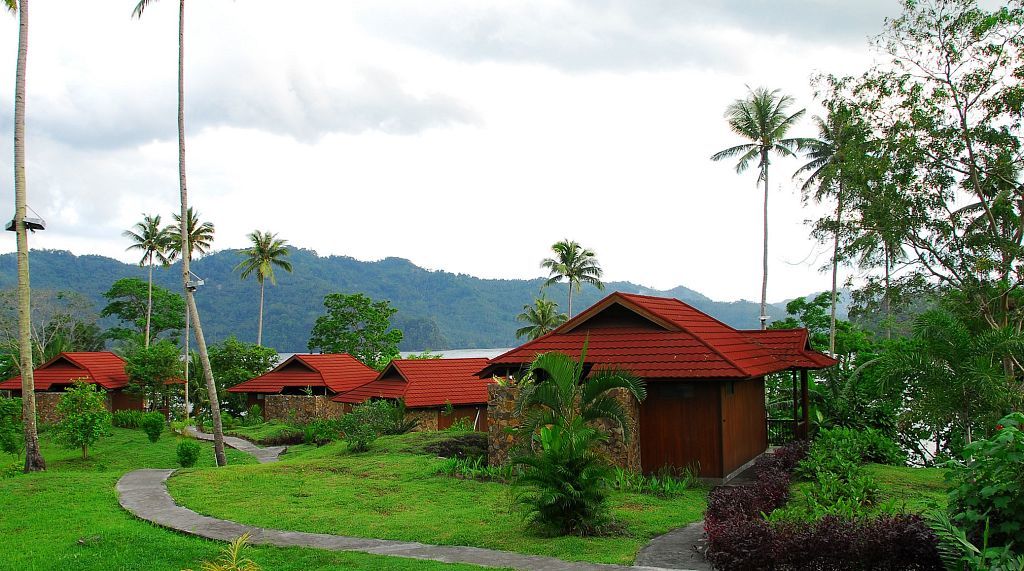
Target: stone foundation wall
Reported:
[(300, 408), (46, 407), (426, 418), (502, 422)]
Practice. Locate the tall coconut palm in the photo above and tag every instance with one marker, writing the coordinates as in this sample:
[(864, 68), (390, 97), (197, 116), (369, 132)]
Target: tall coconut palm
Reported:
[(266, 251), (184, 247), (200, 235), (761, 117), (33, 457), (574, 263), (828, 169), (542, 317), (153, 240)]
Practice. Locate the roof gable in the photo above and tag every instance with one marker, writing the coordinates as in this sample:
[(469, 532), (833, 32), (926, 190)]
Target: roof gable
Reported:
[(425, 383), (337, 372), (100, 367)]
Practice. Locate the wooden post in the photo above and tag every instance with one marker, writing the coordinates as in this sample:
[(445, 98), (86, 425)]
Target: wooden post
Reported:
[(796, 414), (805, 404)]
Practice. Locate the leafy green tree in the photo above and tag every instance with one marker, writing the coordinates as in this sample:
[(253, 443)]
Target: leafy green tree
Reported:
[(541, 318), (191, 236), (12, 439), (266, 252), (83, 417), (235, 361), (153, 240), (137, 304), (359, 326), (150, 368), (575, 264), (762, 118), (565, 478)]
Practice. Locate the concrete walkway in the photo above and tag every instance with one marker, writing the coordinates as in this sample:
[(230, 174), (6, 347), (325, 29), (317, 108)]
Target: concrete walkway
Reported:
[(262, 455), (678, 549), (144, 493)]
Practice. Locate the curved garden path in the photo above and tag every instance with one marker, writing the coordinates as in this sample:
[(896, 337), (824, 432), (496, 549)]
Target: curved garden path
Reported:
[(144, 494)]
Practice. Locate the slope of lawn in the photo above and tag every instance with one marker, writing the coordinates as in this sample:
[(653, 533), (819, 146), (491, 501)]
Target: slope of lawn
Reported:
[(68, 517), (913, 489), (392, 492)]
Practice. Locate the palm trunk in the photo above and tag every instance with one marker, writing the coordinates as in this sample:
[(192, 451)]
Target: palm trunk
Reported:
[(188, 357), (33, 457), (186, 253), (259, 322), (835, 273), (887, 302), (149, 301), (570, 299), (764, 280)]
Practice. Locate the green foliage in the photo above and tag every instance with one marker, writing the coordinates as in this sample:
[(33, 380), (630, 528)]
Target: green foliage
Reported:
[(575, 264), (359, 428), (476, 468), (149, 369), (233, 362), (463, 424), (83, 416), (663, 484), (127, 418), (11, 431), (359, 326), (231, 558), (188, 451), (541, 318), (322, 431), (127, 302), (960, 553), (253, 416), (988, 487), (153, 425)]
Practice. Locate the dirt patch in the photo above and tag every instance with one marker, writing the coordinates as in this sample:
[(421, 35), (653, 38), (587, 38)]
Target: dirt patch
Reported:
[(461, 446)]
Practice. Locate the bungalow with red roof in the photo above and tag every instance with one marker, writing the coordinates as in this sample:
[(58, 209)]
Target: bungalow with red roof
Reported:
[(705, 405), (436, 392), (280, 391), (54, 377)]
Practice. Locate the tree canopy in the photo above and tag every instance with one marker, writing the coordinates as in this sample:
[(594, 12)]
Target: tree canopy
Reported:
[(359, 326)]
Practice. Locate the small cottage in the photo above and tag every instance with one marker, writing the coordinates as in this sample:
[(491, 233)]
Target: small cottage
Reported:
[(53, 377), (437, 392), (284, 392), (705, 405)]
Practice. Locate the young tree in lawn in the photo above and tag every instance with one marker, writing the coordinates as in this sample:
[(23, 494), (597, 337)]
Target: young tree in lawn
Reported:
[(184, 245), (541, 318), (574, 263), (137, 305), (565, 477), (762, 118), (359, 326), (83, 416), (33, 457), (265, 252), (153, 240)]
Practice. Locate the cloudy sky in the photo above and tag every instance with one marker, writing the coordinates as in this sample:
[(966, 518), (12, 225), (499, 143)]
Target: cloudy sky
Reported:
[(463, 135)]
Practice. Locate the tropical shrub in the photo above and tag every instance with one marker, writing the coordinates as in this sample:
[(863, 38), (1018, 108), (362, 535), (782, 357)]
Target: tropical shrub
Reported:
[(84, 417), (360, 427), (321, 431), (188, 452), (461, 425), (565, 482), (153, 425), (126, 418), (231, 558), (959, 552), (11, 431), (476, 468), (391, 417), (253, 416), (988, 486), (661, 484)]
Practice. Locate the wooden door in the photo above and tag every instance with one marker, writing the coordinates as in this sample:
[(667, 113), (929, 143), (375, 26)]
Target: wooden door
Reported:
[(680, 426)]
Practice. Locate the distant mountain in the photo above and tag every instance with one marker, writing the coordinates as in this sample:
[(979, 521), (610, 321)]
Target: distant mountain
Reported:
[(436, 309)]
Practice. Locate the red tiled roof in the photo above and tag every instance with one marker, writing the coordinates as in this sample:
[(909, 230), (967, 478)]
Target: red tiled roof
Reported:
[(793, 346), (661, 338), (338, 372), (425, 383), (101, 367)]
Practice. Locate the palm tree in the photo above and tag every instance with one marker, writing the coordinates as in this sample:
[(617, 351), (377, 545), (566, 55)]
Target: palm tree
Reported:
[(574, 263), (829, 156), (267, 251), (184, 247), (200, 235), (762, 119), (543, 317), (153, 240), (34, 461)]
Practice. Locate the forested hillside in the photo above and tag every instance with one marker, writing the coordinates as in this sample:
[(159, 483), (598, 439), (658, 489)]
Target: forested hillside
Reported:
[(436, 309)]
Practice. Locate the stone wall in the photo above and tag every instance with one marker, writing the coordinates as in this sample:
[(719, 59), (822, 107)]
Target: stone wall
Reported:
[(426, 418), (46, 407), (300, 408), (502, 422)]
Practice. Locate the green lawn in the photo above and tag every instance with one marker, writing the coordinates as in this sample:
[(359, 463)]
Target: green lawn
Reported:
[(392, 492), (265, 433), (69, 518), (916, 489)]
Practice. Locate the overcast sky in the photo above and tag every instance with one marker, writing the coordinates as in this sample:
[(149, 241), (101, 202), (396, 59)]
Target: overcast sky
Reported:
[(463, 135)]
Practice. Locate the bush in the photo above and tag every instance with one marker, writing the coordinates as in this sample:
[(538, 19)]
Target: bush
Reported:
[(11, 430), (188, 452), (127, 418), (661, 484), (988, 487), (253, 416), (461, 425), (153, 425), (84, 416), (391, 418), (476, 468), (359, 428), (321, 431)]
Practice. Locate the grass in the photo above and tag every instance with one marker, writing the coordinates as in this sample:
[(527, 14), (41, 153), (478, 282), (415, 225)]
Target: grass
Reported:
[(68, 517), (917, 489), (392, 492), (267, 433)]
